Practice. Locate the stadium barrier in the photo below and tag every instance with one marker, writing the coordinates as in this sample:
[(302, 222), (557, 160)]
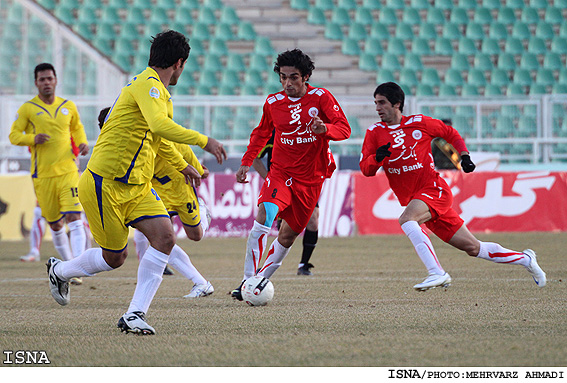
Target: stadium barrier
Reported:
[(351, 203)]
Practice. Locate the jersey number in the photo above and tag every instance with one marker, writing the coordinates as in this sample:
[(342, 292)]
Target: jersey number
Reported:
[(191, 207), (74, 192), (274, 193)]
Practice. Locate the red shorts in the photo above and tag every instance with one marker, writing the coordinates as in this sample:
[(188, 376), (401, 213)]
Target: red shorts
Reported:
[(295, 201), (445, 221)]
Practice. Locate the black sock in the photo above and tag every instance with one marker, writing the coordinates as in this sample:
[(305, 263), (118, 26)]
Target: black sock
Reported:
[(309, 243)]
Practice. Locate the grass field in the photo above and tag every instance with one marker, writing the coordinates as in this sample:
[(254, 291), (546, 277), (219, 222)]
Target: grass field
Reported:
[(359, 309)]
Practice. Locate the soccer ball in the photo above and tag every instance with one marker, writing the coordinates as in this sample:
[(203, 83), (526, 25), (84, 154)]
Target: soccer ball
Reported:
[(257, 291)]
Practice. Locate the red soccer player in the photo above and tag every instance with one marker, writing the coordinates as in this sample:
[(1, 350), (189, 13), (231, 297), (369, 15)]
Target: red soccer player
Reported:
[(401, 145), (305, 119)]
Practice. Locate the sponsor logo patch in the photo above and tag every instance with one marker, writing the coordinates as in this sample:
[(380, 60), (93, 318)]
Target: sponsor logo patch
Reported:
[(154, 92), (416, 134)]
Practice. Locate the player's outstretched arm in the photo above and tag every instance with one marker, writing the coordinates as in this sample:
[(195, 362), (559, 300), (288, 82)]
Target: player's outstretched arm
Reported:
[(216, 149), (241, 174)]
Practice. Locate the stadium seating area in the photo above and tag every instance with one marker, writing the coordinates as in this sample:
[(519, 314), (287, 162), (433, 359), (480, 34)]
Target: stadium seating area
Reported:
[(431, 47), (120, 29), (452, 47)]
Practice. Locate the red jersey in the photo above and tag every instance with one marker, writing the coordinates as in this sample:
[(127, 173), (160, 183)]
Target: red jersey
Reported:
[(297, 151), (410, 167)]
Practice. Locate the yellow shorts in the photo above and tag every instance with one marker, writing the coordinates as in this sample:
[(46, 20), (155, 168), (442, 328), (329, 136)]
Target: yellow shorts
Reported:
[(111, 206), (179, 198), (58, 195)]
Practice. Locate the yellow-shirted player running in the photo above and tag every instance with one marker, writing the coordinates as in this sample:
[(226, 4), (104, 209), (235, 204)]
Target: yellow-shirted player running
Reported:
[(179, 199), (46, 124), (116, 190)]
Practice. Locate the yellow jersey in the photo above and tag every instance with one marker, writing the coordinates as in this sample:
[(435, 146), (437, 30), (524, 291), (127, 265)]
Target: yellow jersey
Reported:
[(164, 171), (131, 136), (60, 121)]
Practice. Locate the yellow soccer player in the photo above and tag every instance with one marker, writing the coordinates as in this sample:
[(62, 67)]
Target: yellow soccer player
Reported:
[(116, 190), (47, 124), (181, 199)]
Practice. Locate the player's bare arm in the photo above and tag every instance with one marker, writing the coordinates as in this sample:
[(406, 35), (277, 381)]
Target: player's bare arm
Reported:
[(41, 138), (318, 126), (260, 168), (216, 149), (241, 174)]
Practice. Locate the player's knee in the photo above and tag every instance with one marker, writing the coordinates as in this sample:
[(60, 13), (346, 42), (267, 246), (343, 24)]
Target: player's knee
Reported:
[(57, 225), (166, 243), (115, 260), (72, 217), (194, 234)]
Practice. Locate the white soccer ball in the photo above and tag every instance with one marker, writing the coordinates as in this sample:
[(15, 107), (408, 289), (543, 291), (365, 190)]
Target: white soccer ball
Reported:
[(257, 291)]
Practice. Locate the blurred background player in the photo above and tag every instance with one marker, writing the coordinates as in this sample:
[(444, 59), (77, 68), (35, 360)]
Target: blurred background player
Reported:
[(179, 199), (116, 189), (305, 119), (37, 230), (402, 146), (46, 124), (311, 233)]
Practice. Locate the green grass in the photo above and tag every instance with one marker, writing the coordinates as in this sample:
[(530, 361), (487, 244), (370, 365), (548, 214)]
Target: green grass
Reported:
[(359, 309)]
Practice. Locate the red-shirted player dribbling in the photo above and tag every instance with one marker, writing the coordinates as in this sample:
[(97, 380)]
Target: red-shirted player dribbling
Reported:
[(305, 119), (401, 145)]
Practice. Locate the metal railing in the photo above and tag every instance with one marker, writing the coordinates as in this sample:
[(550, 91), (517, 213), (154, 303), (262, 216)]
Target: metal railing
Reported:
[(487, 124)]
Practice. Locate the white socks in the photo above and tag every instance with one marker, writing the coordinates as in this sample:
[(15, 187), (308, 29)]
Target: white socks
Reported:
[(141, 243), (494, 252), (257, 240), (274, 260), (36, 232), (61, 243), (180, 261), (423, 247), (78, 237), (85, 265), (150, 274)]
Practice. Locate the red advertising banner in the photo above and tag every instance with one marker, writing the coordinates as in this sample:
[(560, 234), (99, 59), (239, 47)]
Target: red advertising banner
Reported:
[(233, 205), (487, 201)]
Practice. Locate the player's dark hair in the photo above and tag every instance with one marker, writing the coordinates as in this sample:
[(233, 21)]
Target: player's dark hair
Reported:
[(41, 67), (102, 116), (167, 48), (297, 59), (393, 92)]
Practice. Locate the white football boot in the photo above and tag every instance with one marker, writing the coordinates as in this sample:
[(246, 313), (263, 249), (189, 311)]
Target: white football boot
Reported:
[(201, 290), (31, 257), (135, 322), (434, 280), (59, 288), (534, 269)]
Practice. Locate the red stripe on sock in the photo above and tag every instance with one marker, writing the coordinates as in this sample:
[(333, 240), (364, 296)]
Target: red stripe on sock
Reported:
[(265, 266), (502, 255), (261, 251), (270, 252), (512, 261), (434, 256)]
